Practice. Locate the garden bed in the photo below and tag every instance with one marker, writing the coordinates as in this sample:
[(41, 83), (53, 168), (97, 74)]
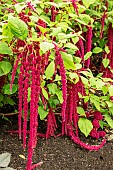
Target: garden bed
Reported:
[(56, 153)]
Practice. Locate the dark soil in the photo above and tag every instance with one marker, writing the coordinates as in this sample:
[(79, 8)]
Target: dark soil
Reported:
[(56, 153)]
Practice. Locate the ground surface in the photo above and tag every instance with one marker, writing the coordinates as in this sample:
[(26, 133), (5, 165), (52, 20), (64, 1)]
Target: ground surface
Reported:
[(57, 154)]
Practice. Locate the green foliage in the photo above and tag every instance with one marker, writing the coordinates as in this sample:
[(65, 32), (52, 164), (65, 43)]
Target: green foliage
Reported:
[(85, 126)]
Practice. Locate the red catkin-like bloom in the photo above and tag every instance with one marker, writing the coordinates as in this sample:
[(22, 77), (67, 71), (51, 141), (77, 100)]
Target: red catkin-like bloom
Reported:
[(82, 48), (103, 20), (14, 70), (32, 113), (25, 104), (51, 124), (20, 96), (94, 134), (82, 144), (102, 134), (62, 70), (74, 2), (96, 123), (98, 115)]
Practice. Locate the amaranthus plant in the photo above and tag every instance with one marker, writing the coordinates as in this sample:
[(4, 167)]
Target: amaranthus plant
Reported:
[(53, 44)]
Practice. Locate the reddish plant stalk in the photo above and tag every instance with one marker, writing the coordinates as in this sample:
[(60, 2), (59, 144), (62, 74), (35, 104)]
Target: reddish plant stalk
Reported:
[(88, 45), (103, 20), (74, 2)]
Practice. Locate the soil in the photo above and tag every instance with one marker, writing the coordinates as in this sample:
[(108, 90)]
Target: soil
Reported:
[(56, 153)]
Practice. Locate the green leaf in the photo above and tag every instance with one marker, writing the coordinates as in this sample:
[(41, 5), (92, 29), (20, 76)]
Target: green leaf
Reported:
[(85, 126), (81, 111), (87, 3), (29, 94), (59, 95), (105, 62), (52, 88), (46, 46), (109, 120), (87, 55), (109, 103), (104, 90), (4, 49), (5, 66), (68, 61), (107, 49), (110, 89), (71, 46), (42, 113), (10, 101), (50, 70), (7, 89), (84, 81), (1, 97), (18, 27), (96, 104), (5, 159), (97, 50), (86, 99), (19, 7), (45, 94), (78, 66)]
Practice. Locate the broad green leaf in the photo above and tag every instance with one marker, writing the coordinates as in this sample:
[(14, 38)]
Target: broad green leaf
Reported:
[(71, 46), (5, 159), (42, 113), (84, 80), (81, 111), (7, 89), (85, 126), (110, 89), (59, 95), (19, 7), (111, 110), (52, 88), (68, 61), (18, 27), (50, 70), (104, 90), (6, 32), (46, 46), (97, 50), (5, 66), (29, 94), (87, 3), (96, 104), (86, 99), (4, 49), (1, 97), (44, 92), (87, 55), (78, 66), (109, 103), (109, 120), (55, 31), (107, 49), (105, 62), (10, 101)]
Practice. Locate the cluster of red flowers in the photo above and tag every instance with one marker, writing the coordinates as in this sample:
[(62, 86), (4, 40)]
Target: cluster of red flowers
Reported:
[(95, 133)]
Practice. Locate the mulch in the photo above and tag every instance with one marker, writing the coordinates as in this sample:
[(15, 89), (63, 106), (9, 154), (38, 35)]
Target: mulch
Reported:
[(56, 153)]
